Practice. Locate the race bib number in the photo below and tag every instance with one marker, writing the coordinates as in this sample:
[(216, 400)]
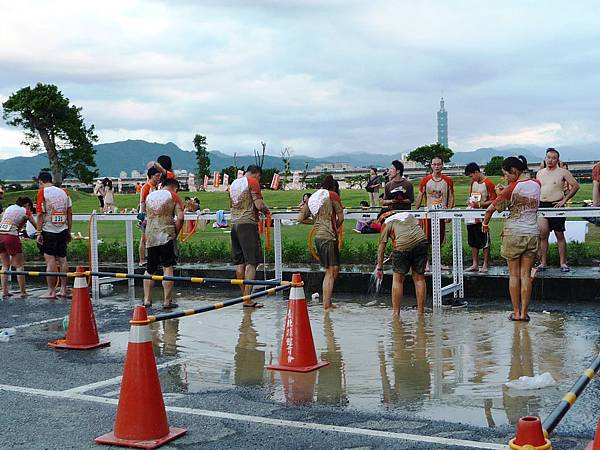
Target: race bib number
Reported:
[(58, 218), (5, 226), (475, 197)]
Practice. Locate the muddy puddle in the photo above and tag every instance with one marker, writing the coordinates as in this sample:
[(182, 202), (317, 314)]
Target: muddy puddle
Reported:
[(451, 366)]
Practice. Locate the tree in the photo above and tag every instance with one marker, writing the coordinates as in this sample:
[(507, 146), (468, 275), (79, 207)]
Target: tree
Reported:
[(267, 176), (315, 182), (232, 172), (286, 157), (50, 121), (424, 154), (494, 166), (202, 158), (357, 180)]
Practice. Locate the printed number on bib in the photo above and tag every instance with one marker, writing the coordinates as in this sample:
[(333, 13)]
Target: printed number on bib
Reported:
[(5, 226), (58, 218)]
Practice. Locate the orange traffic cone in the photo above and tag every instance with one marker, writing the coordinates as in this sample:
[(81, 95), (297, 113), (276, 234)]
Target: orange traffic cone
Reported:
[(297, 346), (141, 420), (82, 333), (595, 444), (530, 435)]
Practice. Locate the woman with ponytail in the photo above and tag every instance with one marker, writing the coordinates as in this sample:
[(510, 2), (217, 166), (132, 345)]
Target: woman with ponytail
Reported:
[(520, 235)]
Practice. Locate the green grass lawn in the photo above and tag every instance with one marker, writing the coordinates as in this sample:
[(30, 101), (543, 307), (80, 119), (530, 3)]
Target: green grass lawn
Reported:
[(211, 244)]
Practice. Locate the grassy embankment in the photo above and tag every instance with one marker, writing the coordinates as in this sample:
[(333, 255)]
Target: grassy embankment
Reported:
[(212, 245)]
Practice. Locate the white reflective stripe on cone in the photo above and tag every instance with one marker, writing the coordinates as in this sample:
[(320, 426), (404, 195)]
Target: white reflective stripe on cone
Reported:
[(297, 293), (80, 282), (139, 334)]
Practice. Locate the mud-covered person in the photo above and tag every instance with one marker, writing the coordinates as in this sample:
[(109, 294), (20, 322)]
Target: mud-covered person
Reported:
[(151, 185), (520, 234), (13, 220), (246, 203), (409, 254), (54, 220), (161, 238), (324, 210)]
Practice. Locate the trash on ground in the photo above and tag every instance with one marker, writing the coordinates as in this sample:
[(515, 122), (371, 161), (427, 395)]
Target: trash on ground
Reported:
[(535, 382)]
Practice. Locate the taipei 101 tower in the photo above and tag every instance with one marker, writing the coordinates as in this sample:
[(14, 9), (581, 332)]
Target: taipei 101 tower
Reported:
[(442, 123)]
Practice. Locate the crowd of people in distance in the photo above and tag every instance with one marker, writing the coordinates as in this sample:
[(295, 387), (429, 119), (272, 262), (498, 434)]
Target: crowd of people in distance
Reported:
[(161, 217)]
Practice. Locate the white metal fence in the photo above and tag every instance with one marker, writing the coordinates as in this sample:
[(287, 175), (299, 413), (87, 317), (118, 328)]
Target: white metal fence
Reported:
[(456, 217)]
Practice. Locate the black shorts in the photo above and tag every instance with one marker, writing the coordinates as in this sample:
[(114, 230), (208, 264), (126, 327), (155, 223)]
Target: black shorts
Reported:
[(245, 244), (415, 258), (329, 252), (554, 223), (55, 244), (161, 256), (476, 237)]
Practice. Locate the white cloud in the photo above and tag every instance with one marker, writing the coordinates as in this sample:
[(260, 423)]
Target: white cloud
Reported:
[(323, 77), (545, 134)]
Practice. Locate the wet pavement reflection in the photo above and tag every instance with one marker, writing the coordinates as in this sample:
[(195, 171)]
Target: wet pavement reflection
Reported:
[(452, 366)]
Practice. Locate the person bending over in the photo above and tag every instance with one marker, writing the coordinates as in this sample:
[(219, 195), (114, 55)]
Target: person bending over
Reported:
[(410, 253)]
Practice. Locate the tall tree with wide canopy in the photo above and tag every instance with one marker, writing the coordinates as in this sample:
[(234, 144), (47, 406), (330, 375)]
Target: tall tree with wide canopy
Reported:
[(424, 154), (52, 124)]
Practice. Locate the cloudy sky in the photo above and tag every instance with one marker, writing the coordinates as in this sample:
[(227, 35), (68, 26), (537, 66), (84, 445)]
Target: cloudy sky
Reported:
[(320, 77)]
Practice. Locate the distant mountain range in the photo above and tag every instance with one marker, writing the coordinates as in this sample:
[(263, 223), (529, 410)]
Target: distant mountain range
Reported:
[(131, 155)]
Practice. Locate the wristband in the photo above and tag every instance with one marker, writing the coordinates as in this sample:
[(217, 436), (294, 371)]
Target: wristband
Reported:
[(485, 226)]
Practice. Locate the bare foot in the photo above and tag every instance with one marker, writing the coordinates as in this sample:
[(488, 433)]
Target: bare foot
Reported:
[(48, 295), (62, 295), (6, 294), (331, 306), (484, 269), (23, 295), (472, 269)]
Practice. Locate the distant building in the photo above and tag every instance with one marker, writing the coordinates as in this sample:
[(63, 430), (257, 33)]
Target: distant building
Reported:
[(442, 124), (334, 167), (123, 174), (135, 174)]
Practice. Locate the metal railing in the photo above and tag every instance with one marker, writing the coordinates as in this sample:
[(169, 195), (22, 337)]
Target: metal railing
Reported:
[(455, 215)]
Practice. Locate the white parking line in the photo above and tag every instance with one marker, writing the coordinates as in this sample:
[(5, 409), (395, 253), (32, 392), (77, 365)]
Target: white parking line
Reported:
[(116, 380), (41, 322), (269, 421)]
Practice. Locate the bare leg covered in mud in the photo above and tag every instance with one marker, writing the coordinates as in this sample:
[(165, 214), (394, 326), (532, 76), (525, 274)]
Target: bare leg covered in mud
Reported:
[(519, 285), (330, 276), (51, 266)]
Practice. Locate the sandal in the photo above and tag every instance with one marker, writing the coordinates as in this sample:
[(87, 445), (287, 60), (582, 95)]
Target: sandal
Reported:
[(565, 269), (512, 318), (147, 305), (171, 306), (526, 318), (540, 268), (253, 305)]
